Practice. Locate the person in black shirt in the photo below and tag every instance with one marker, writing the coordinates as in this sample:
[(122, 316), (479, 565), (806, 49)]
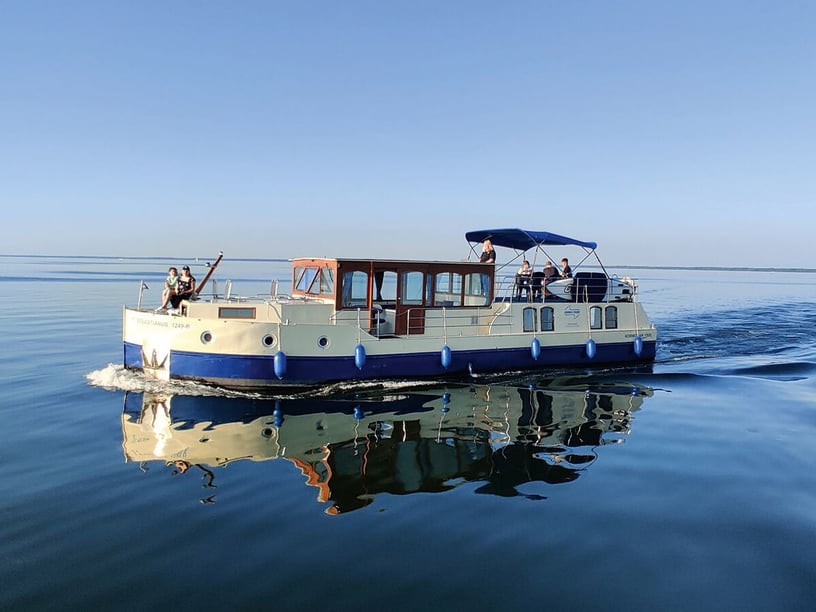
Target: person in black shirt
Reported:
[(566, 271), (488, 253), (186, 287), (488, 256)]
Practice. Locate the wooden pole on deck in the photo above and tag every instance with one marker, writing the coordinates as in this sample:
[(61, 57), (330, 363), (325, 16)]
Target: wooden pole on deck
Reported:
[(209, 273)]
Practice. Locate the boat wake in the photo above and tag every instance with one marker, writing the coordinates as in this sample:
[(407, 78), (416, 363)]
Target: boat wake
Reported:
[(115, 377), (786, 371), (774, 342)]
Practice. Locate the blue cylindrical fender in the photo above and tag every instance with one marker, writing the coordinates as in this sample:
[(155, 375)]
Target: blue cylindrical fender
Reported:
[(446, 355), (535, 348), (590, 348), (279, 364), (638, 345), (359, 356)]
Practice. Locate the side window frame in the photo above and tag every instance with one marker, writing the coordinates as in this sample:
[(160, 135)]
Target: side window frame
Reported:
[(351, 298), (547, 319), (611, 317), (595, 317), (528, 319)]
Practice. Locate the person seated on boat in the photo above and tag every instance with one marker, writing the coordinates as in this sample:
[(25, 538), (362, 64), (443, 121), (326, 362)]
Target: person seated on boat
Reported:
[(524, 278), (547, 275), (170, 287), (186, 287), (550, 273), (566, 271)]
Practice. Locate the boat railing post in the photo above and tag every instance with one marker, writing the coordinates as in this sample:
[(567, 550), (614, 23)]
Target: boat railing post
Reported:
[(142, 287)]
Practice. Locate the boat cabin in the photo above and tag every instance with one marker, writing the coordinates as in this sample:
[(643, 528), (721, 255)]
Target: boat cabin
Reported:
[(409, 288)]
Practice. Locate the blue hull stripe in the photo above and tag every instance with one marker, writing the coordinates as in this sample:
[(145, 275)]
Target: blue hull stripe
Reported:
[(258, 370)]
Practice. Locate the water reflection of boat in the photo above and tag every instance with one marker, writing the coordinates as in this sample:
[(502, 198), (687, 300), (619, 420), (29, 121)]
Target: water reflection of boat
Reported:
[(428, 441)]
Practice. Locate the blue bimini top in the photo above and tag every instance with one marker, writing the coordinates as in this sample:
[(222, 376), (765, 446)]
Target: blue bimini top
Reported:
[(521, 240)]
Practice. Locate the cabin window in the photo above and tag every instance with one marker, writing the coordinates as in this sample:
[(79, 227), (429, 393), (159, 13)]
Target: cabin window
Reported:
[(475, 294), (529, 319), (547, 319), (611, 317), (412, 287), (595, 321), (236, 313), (314, 281), (385, 287), (448, 289), (327, 280), (303, 278), (355, 288)]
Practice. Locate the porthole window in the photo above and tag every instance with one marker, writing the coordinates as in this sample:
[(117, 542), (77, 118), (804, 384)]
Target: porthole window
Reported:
[(269, 341), (206, 337), (323, 342)]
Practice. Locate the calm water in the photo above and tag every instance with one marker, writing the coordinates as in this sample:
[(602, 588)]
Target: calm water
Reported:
[(692, 487)]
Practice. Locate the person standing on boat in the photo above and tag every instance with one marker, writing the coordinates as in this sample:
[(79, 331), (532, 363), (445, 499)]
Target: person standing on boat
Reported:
[(566, 271), (186, 287), (170, 287), (488, 256), (488, 253)]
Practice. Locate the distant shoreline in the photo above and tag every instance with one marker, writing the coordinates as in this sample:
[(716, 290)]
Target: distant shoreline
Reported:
[(285, 260), (715, 269)]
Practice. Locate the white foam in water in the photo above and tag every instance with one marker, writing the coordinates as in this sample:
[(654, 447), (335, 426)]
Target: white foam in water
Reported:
[(115, 377), (379, 385)]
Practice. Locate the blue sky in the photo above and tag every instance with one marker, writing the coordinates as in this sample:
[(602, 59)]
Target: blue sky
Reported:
[(674, 133)]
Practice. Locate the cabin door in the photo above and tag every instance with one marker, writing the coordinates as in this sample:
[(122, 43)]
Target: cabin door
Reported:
[(410, 320), (411, 302)]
